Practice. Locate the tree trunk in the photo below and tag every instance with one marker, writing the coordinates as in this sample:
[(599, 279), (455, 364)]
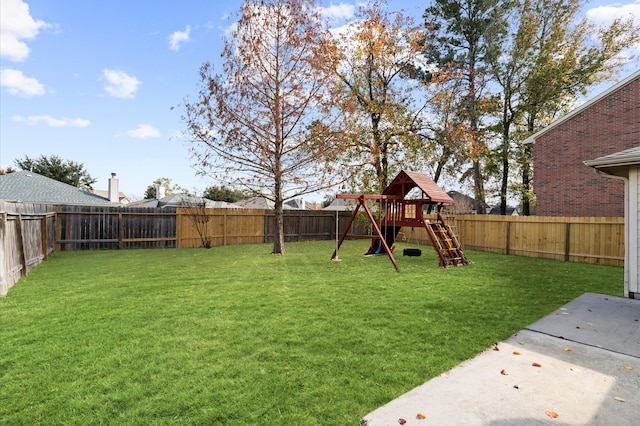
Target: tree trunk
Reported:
[(505, 172), (278, 226), (478, 189), (526, 181)]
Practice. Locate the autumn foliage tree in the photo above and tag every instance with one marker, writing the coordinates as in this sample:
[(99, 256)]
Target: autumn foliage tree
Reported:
[(457, 33), (378, 54), (266, 123)]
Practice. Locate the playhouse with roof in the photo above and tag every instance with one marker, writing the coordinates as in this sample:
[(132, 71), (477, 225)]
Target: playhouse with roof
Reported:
[(396, 209)]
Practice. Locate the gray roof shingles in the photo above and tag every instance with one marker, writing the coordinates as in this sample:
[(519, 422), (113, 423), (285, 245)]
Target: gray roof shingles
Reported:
[(29, 187)]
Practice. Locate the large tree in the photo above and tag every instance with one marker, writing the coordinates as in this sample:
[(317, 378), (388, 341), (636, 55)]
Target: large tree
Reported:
[(224, 193), (378, 53), (542, 64), (457, 33), (54, 167), (266, 123)]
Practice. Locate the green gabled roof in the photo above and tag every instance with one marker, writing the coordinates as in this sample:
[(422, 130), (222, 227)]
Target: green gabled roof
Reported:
[(29, 187)]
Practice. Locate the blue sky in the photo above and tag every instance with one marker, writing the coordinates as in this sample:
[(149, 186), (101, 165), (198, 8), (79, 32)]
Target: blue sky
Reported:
[(95, 81)]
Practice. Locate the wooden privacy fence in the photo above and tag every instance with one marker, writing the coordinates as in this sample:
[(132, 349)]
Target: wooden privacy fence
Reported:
[(30, 232), (26, 239), (213, 227), (100, 227), (597, 240)]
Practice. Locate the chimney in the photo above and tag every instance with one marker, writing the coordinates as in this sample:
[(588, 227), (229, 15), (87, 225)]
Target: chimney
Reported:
[(114, 192), (160, 192)]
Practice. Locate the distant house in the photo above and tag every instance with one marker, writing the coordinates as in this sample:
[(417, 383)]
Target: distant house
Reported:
[(182, 200), (604, 125), (624, 166), (30, 187), (122, 197), (113, 194), (511, 211), (463, 204), (260, 203), (341, 205)]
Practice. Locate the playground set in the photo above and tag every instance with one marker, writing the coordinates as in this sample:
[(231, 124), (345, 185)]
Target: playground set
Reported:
[(395, 212)]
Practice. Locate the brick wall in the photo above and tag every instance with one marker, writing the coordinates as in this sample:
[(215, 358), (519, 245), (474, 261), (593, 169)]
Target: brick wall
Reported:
[(563, 185)]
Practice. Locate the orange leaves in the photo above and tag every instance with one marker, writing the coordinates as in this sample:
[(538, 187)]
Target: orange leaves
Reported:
[(551, 414)]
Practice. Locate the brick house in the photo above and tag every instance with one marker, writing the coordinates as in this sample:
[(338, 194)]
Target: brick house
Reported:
[(606, 124)]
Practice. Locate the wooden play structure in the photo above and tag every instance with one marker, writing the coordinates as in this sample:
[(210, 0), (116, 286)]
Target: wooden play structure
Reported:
[(395, 212)]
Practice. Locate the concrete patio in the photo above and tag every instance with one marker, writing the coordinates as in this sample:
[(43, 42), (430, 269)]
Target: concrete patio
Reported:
[(580, 365)]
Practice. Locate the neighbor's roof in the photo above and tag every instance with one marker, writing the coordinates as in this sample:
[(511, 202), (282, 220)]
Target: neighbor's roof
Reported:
[(407, 180), (532, 139), (182, 200), (260, 203), (29, 187), (341, 204)]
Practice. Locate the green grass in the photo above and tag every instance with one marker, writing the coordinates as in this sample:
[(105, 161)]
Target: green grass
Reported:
[(234, 335)]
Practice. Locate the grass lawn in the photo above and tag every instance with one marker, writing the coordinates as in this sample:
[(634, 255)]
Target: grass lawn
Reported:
[(234, 335)]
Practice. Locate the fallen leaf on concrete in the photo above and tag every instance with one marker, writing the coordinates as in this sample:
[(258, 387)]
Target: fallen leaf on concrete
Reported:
[(402, 421), (504, 372), (421, 416), (535, 364), (567, 349), (516, 387), (576, 369), (444, 375), (628, 367), (619, 398), (516, 353), (496, 348), (551, 414)]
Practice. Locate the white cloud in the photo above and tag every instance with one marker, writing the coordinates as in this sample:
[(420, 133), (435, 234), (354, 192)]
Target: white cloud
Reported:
[(16, 25), (606, 14), (32, 120), (120, 84), (144, 131), (342, 11), (179, 37), (18, 84)]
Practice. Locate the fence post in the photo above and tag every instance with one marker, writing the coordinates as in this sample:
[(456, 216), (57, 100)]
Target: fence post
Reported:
[(508, 242), (178, 227), (567, 241), (224, 228), (23, 255), (43, 239)]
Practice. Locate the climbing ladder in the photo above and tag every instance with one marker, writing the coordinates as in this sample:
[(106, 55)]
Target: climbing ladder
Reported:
[(445, 243)]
